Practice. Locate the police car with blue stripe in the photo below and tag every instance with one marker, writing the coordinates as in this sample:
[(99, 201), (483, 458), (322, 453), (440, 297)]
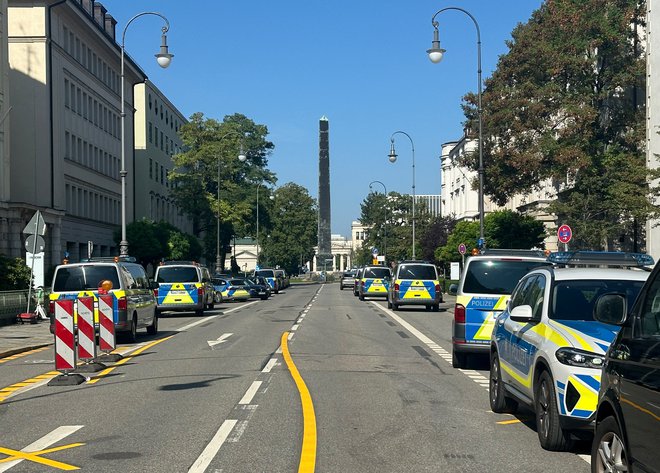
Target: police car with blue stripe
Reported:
[(547, 350)]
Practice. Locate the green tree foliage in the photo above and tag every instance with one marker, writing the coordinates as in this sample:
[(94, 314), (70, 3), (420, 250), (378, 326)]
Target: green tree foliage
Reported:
[(14, 274), (502, 229), (434, 235), (294, 229), (212, 147), (564, 105)]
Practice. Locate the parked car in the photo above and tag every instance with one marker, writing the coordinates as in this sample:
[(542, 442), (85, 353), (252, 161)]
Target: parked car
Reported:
[(221, 288), (356, 282), (628, 416), (134, 302), (547, 350), (415, 283), (239, 289), (375, 281), (283, 278), (483, 292), (258, 287), (184, 286), (271, 277), (347, 279)]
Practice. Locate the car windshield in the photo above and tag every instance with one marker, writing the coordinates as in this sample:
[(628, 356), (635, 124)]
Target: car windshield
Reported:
[(496, 276), (349, 274), (171, 274), (379, 273), (267, 273), (417, 271), (238, 282), (85, 277), (574, 300), (218, 282)]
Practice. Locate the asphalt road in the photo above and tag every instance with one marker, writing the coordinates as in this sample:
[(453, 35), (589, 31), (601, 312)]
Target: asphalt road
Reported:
[(383, 392)]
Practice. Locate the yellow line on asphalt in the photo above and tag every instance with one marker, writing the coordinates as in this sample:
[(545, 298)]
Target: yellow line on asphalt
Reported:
[(507, 422), (106, 371), (308, 450), (20, 355), (34, 457)]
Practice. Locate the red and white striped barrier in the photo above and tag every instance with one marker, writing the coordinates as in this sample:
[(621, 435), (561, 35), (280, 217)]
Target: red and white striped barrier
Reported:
[(107, 339), (86, 331), (65, 350)]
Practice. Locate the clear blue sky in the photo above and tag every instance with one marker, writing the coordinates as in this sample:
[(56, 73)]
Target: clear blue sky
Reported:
[(361, 63)]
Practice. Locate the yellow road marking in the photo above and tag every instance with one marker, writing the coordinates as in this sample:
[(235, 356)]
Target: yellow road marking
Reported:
[(640, 408), (20, 355), (507, 422), (36, 456), (308, 450), (107, 371), (9, 390)]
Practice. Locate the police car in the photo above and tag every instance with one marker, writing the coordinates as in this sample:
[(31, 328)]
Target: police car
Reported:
[(415, 283), (547, 350), (375, 281), (184, 285)]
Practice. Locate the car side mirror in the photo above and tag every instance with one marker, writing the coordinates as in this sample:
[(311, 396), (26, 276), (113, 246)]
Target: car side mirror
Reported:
[(611, 309), (522, 313), (153, 285), (453, 289)]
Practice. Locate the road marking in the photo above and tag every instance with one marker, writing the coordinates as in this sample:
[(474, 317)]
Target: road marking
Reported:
[(211, 317), (269, 365), (27, 385), (250, 393), (295, 327), (34, 451), (211, 450), (222, 339), (308, 449), (21, 355), (509, 422), (107, 371)]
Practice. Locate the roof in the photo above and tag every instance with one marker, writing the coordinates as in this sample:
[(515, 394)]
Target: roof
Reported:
[(569, 274)]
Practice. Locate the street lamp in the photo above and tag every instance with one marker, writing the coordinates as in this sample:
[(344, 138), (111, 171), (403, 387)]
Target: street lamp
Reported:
[(392, 157), (163, 58), (435, 55), (271, 198), (241, 157), (385, 223)]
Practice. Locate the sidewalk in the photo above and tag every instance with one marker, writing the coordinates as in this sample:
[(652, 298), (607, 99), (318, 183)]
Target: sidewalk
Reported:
[(18, 338)]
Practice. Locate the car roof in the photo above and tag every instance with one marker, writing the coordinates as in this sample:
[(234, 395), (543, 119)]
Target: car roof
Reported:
[(506, 258), (568, 274)]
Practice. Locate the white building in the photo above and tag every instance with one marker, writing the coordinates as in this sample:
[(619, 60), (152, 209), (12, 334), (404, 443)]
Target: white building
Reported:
[(653, 115)]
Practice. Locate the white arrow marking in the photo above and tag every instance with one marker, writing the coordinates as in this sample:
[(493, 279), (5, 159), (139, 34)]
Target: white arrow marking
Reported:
[(222, 339)]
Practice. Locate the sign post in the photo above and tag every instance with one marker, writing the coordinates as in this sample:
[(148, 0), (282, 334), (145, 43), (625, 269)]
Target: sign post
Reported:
[(36, 228), (564, 234), (462, 249)]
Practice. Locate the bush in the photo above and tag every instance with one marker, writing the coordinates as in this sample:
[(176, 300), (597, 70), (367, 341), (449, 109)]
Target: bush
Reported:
[(14, 274)]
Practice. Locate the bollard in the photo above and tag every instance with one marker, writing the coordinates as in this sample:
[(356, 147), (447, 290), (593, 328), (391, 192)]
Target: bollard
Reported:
[(87, 336), (65, 345), (107, 337)]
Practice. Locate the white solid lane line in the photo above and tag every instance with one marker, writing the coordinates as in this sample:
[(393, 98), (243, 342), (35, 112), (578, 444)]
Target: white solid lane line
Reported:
[(204, 460), (44, 442), (250, 393)]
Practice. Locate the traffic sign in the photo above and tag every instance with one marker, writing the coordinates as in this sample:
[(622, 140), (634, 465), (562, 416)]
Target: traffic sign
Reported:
[(564, 233), (36, 225), (462, 249), (374, 251), (32, 246)]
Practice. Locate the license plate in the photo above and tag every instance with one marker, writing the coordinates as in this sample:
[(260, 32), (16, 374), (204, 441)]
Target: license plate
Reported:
[(417, 288), (376, 284), (178, 293)]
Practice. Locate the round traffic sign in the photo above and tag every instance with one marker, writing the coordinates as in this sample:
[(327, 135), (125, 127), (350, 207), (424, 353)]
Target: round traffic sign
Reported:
[(374, 251), (462, 249), (37, 246), (564, 233)]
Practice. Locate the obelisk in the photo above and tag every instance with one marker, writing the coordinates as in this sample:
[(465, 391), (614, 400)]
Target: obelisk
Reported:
[(324, 239)]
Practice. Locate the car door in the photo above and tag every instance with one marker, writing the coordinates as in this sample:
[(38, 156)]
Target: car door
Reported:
[(635, 359), (505, 328)]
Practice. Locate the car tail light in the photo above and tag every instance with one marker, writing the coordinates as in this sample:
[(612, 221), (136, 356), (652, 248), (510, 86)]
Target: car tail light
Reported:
[(362, 283), (122, 303), (396, 286), (156, 292), (459, 313), (200, 292), (51, 307), (438, 288)]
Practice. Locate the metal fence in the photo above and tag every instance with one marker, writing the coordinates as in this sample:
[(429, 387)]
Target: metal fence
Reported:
[(13, 303)]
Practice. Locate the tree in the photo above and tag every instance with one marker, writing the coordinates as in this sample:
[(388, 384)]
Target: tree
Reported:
[(14, 274), (563, 106), (435, 234), (208, 144), (294, 229)]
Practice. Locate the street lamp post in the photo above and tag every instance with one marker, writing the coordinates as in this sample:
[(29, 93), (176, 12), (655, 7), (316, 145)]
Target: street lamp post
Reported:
[(385, 223), (163, 58), (392, 158), (435, 55), (271, 198), (241, 158)]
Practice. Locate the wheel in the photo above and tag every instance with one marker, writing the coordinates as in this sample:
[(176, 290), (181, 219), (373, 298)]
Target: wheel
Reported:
[(199, 312), (395, 307), (458, 360), (427, 308), (551, 435), (361, 297), (499, 401), (436, 308), (263, 298), (389, 303), (153, 328), (341, 288), (131, 336), (211, 306), (608, 451)]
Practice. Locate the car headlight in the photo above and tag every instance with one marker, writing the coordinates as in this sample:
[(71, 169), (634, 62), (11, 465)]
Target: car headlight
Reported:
[(582, 358)]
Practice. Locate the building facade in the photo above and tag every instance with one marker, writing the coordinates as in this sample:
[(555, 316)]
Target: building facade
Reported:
[(157, 124), (66, 126), (429, 204), (653, 116)]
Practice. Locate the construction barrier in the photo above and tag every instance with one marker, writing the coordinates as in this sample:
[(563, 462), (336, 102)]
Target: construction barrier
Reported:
[(65, 351), (86, 331), (107, 339)]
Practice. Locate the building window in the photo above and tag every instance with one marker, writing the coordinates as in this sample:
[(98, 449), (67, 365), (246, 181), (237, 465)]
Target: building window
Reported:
[(67, 96), (162, 175), (149, 101), (156, 143), (161, 141), (151, 173), (67, 145), (151, 133), (65, 37)]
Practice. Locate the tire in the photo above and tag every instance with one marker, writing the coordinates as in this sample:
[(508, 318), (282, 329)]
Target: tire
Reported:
[(551, 435), (153, 328), (428, 308), (608, 451), (211, 306), (131, 335), (341, 288), (199, 312), (458, 360), (361, 297), (389, 303), (395, 307), (436, 308), (263, 298), (500, 403)]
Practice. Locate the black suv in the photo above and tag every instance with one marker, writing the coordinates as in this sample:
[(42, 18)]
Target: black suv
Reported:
[(628, 416)]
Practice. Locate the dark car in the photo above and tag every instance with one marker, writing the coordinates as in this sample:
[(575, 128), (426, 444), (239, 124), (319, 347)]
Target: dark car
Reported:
[(259, 287), (628, 415)]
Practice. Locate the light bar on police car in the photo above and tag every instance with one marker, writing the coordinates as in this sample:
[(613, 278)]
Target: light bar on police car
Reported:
[(611, 258)]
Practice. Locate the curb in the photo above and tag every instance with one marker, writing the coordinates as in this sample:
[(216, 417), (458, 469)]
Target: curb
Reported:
[(16, 351)]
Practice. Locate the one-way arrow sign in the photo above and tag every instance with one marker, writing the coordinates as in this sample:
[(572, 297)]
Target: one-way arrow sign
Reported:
[(36, 225), (222, 339)]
